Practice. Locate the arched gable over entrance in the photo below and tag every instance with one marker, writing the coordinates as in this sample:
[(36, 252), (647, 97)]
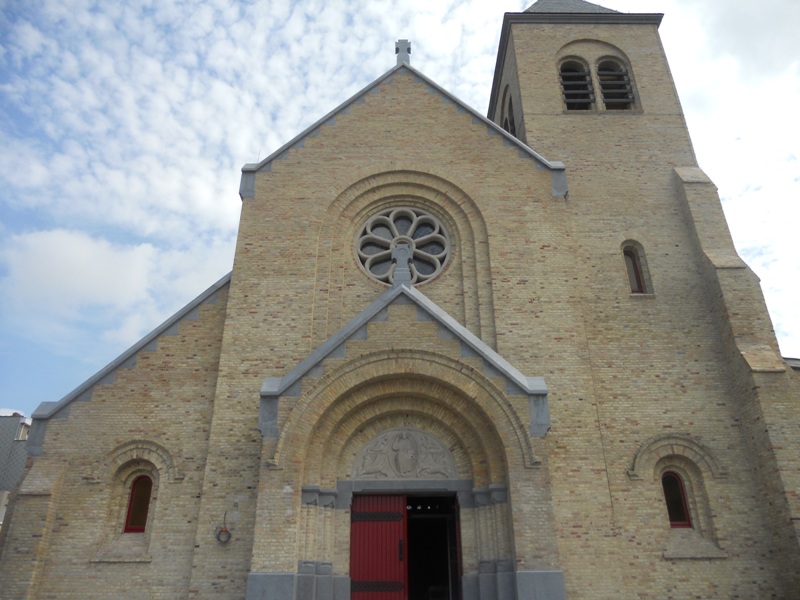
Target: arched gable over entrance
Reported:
[(401, 382), (419, 396), (394, 388)]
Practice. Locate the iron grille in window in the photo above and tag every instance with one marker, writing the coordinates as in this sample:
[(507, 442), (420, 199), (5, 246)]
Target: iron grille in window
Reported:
[(576, 84), (615, 84)]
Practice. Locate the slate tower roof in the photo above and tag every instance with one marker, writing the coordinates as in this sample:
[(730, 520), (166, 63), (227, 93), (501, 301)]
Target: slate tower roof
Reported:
[(567, 6)]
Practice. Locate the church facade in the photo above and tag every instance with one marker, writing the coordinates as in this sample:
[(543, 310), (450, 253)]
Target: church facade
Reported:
[(458, 357)]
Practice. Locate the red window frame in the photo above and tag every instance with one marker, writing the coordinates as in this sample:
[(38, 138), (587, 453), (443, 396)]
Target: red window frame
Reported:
[(138, 504), (675, 499)]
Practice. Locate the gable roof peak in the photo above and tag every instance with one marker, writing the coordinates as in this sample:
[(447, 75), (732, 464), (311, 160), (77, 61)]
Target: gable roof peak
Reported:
[(567, 6), (249, 170)]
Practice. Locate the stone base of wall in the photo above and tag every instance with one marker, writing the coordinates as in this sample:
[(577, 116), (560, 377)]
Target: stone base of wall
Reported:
[(540, 585), (494, 581), (314, 581)]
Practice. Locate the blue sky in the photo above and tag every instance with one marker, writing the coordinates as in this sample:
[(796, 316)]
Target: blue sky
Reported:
[(123, 128)]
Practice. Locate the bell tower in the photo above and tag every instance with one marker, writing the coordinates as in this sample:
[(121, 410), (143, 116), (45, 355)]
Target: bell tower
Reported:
[(588, 85), (661, 292)]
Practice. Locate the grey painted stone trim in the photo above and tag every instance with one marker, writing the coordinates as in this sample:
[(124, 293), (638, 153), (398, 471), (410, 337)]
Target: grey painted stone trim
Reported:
[(495, 580), (565, 18), (402, 48), (469, 586), (541, 585), (36, 437), (247, 183), (46, 410), (588, 18), (461, 487), (313, 495), (567, 6), (268, 417), (560, 183), (494, 493), (516, 382), (313, 581), (275, 586), (539, 409)]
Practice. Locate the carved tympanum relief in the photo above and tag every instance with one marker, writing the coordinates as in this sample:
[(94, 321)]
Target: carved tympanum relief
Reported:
[(404, 454)]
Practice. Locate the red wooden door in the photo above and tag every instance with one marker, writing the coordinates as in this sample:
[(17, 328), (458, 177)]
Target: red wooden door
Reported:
[(378, 567)]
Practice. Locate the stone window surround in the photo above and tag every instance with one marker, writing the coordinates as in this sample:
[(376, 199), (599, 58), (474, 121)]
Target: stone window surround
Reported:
[(430, 251)]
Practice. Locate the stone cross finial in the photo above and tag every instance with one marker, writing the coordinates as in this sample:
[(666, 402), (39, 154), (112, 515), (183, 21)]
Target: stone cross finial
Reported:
[(403, 50), (401, 256)]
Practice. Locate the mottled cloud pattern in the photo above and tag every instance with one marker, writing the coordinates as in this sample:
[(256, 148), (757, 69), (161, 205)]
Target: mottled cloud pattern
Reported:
[(123, 127)]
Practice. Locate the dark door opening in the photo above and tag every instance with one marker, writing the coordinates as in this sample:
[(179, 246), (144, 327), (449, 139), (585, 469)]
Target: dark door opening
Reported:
[(404, 548), (433, 550)]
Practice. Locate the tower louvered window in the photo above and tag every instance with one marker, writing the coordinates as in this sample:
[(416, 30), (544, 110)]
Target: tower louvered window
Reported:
[(615, 85), (576, 85)]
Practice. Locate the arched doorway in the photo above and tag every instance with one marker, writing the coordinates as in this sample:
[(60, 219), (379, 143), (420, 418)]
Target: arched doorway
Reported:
[(415, 424), (405, 547)]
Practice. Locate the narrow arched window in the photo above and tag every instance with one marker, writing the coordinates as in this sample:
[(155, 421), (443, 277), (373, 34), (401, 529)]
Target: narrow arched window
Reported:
[(507, 116), (138, 504), (615, 85), (512, 127), (634, 266), (576, 85), (675, 498)]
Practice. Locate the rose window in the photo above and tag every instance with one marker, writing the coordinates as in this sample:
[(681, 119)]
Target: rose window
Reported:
[(421, 232)]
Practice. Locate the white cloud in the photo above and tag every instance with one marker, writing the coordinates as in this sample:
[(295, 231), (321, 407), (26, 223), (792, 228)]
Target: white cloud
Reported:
[(763, 35), (126, 128), (59, 282), (736, 69), (59, 271)]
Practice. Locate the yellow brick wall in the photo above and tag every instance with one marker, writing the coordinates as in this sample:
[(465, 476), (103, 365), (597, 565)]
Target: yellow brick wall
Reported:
[(72, 500), (625, 368)]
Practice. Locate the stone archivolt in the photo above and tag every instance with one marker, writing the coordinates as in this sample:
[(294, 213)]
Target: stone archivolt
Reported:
[(143, 450), (375, 393), (674, 444)]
